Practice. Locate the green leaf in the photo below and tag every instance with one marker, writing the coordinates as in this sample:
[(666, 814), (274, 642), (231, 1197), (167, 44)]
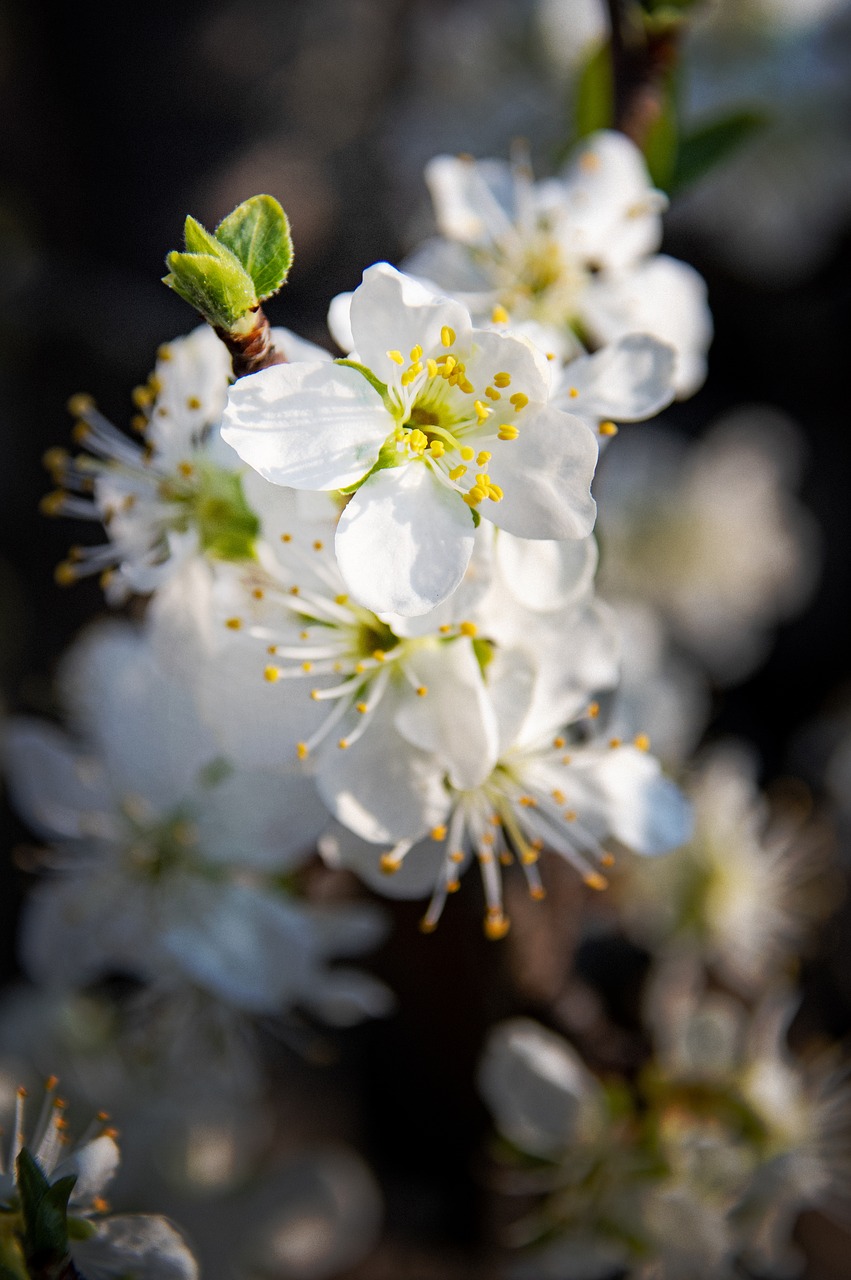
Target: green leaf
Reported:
[(660, 144), (258, 234), (198, 239), (705, 147), (595, 95), (44, 1209), (221, 290)]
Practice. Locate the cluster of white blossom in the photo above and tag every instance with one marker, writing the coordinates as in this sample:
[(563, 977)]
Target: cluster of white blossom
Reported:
[(373, 630)]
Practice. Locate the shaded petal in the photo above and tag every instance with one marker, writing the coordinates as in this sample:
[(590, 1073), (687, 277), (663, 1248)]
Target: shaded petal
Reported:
[(393, 311), (628, 380), (56, 789), (310, 426), (545, 575), (473, 200), (455, 719), (264, 820), (94, 1165), (545, 475), (418, 873), (613, 213), (146, 1248), (404, 541)]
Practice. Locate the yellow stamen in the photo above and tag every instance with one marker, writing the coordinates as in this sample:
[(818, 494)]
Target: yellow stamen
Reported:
[(519, 400), (396, 357), (502, 379), (508, 431), (438, 833), (422, 690), (302, 750), (468, 629), (233, 624), (641, 741), (492, 393), (499, 315), (388, 864), (416, 353), (447, 336), (607, 429), (272, 674), (595, 881), (483, 458), (496, 925)]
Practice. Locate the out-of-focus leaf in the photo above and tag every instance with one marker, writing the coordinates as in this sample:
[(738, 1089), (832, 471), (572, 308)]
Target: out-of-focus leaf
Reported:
[(258, 234), (595, 93), (660, 145), (45, 1208), (704, 148)]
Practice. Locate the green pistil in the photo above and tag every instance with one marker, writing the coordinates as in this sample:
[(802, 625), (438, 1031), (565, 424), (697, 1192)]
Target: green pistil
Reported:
[(212, 500)]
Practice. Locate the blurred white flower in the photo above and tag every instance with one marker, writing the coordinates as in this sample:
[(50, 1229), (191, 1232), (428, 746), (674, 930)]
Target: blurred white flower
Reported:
[(744, 890), (575, 254), (710, 534)]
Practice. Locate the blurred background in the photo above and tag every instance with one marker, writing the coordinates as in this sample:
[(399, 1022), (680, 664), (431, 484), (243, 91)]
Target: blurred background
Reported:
[(117, 124)]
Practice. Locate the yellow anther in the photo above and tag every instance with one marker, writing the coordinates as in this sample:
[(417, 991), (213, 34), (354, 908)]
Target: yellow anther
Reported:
[(505, 859), (466, 386), (474, 496), (360, 667), (482, 413), (487, 838), (444, 628), (54, 459), (422, 690), (437, 448), (483, 458), (379, 655), (193, 402), (294, 591), (593, 710), (164, 352), (417, 441), (341, 599), (258, 593), (496, 925), (307, 667), (467, 453), (456, 856), (573, 393), (538, 845), (100, 1205), (485, 857), (427, 926), (343, 743), (80, 432), (492, 393), (52, 503), (186, 468), (495, 493), (431, 367), (233, 624), (142, 397), (537, 892), (286, 537), (558, 796), (595, 881), (318, 545), (362, 707), (528, 802), (396, 357), (483, 480), (447, 336), (271, 649), (508, 431), (449, 363), (407, 378), (614, 743), (468, 629), (569, 815), (452, 886), (558, 743), (502, 379), (302, 750), (607, 429), (272, 674), (457, 472), (499, 315), (566, 759), (641, 741), (107, 578), (389, 864), (438, 833), (519, 400), (589, 161), (607, 859), (314, 693), (416, 353)]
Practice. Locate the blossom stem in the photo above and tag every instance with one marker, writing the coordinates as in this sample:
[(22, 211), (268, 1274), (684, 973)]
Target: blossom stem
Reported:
[(641, 62), (250, 344)]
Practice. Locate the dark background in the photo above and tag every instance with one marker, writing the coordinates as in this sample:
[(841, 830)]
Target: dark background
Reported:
[(117, 121)]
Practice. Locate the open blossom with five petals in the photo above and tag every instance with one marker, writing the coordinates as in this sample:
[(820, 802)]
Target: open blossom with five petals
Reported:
[(576, 254), (430, 421), (174, 495), (545, 788)]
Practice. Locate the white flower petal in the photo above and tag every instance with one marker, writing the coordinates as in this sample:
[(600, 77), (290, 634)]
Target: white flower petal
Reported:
[(473, 200), (454, 720), (545, 475), (309, 426), (628, 380), (383, 788), (612, 209), (545, 575), (94, 1165), (146, 1248), (340, 321), (404, 541), (537, 1087), (55, 788), (392, 311), (416, 876)]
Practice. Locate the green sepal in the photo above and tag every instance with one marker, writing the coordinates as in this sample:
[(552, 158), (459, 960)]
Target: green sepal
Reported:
[(705, 147), (227, 527), (219, 288), (477, 519), (595, 93), (45, 1209), (81, 1229), (374, 382), (258, 235)]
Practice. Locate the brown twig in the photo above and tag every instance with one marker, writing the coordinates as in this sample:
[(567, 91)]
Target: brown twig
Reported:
[(253, 349), (641, 63)]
